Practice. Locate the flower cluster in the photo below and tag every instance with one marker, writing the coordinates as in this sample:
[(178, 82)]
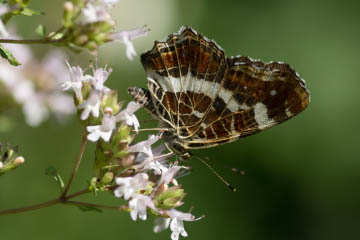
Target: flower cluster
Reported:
[(88, 24), (9, 158), (34, 86), (143, 176)]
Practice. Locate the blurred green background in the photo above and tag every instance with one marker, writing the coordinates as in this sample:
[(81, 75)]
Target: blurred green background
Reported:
[(302, 177)]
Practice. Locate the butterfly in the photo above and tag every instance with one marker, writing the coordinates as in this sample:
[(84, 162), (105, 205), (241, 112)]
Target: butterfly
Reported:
[(205, 99)]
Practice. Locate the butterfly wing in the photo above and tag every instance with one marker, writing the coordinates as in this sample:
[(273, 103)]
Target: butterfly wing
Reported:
[(254, 96), (180, 70)]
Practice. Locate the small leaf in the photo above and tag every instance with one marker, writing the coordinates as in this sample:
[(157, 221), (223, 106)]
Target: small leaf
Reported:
[(8, 56), (52, 172), (41, 30), (30, 12), (89, 208)]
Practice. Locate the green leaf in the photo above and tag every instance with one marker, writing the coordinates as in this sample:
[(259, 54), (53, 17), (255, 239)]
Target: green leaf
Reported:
[(89, 208), (30, 12), (52, 172), (41, 30), (8, 56)]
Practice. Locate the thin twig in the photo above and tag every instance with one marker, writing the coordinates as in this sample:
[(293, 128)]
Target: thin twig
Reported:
[(30, 208), (77, 164), (31, 41), (119, 208)]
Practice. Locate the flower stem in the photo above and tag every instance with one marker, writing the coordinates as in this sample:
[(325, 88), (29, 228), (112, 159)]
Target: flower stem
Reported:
[(31, 41), (44, 204), (77, 164), (30, 208), (119, 208)]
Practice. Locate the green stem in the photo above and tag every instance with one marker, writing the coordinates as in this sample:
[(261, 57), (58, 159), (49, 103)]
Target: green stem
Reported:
[(31, 41), (119, 208), (42, 205), (77, 164), (30, 208)]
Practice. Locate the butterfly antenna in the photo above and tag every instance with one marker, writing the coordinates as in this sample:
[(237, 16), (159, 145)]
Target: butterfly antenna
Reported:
[(153, 129), (217, 174)]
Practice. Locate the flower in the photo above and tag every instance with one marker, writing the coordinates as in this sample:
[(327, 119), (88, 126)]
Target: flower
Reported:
[(108, 3), (128, 116), (126, 36), (143, 162), (1, 165), (100, 76), (144, 146), (161, 224), (128, 186), (103, 131), (139, 204), (76, 79), (93, 14), (91, 105), (177, 228), (168, 174), (176, 222)]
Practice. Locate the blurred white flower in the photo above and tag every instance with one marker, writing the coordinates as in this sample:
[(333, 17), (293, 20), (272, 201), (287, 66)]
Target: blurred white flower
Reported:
[(1, 165), (106, 3), (128, 186), (161, 224), (35, 110), (128, 115), (103, 131), (139, 204), (91, 105), (126, 37), (145, 146), (92, 14), (34, 85)]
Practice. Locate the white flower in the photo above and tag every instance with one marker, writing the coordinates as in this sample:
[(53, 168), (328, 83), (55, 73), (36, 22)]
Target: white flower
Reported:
[(100, 76), (128, 115), (144, 146), (35, 110), (92, 14), (139, 204), (1, 165), (103, 131), (168, 174), (91, 105), (177, 228), (76, 79), (107, 3), (176, 222), (128, 186), (143, 162), (161, 224), (126, 36)]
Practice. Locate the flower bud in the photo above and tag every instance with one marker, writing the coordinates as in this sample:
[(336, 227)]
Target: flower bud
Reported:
[(170, 198), (18, 161), (107, 178), (68, 6), (81, 40)]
